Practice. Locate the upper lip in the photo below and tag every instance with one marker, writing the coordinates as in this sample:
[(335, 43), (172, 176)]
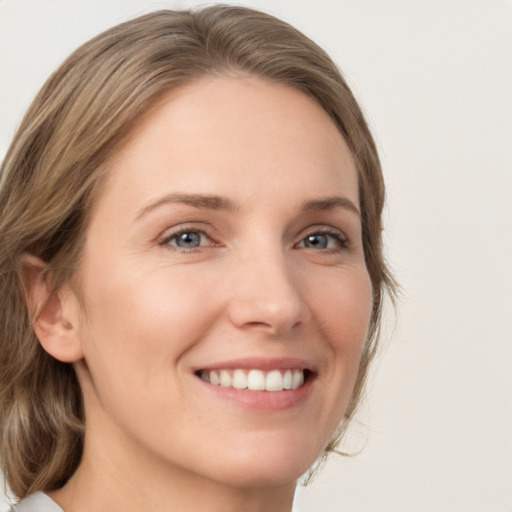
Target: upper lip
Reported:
[(261, 363)]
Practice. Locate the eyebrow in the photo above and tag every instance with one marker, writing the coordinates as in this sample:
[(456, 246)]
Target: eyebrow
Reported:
[(214, 202), (208, 202), (328, 203)]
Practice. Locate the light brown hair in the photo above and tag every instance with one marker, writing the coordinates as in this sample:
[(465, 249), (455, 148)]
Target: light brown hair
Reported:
[(81, 116)]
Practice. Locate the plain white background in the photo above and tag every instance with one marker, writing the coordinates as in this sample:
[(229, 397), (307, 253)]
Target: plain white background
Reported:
[(435, 78)]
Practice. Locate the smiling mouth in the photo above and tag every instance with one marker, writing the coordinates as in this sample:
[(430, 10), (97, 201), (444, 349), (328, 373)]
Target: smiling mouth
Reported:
[(255, 379)]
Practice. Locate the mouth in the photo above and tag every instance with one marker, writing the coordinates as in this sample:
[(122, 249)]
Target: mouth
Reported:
[(255, 379), (260, 384)]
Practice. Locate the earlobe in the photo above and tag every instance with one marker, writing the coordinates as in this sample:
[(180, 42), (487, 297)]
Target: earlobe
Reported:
[(53, 312)]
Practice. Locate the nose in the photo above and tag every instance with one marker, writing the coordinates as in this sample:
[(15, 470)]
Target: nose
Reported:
[(266, 296)]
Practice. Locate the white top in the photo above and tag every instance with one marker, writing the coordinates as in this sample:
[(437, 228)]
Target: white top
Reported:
[(37, 502)]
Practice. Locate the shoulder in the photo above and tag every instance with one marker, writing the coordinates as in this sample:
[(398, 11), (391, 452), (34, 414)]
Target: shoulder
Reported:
[(38, 502)]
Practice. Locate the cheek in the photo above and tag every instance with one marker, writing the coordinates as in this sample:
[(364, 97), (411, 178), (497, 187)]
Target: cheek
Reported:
[(148, 321), (139, 333), (343, 304)]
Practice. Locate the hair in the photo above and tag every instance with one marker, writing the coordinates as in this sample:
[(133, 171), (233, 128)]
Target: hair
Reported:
[(80, 118)]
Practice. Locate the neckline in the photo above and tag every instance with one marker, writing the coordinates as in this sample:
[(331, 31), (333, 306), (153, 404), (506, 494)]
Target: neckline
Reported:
[(37, 502)]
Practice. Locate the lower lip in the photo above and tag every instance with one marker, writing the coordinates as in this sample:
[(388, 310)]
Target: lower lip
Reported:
[(263, 400)]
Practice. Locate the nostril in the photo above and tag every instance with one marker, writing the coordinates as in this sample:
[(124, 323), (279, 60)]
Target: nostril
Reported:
[(268, 313)]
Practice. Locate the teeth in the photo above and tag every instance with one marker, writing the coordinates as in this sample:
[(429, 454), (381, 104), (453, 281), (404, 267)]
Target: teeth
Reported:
[(287, 379), (214, 378), (274, 381), (239, 379), (255, 380), (225, 379), (297, 379)]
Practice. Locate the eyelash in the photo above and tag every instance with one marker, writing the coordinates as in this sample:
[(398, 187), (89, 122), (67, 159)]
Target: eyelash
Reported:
[(340, 238)]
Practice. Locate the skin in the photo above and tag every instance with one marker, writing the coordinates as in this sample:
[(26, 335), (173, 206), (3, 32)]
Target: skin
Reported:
[(157, 437)]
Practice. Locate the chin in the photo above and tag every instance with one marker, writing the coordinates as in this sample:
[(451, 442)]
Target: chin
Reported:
[(267, 463), (255, 475)]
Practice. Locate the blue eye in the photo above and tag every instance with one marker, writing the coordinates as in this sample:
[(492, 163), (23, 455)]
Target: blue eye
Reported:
[(316, 241), (187, 239), (320, 240)]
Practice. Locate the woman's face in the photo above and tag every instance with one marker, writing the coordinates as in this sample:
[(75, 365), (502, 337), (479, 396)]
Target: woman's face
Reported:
[(225, 246)]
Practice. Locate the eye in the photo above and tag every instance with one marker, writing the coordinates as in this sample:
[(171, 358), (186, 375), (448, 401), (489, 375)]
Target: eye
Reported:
[(324, 240), (187, 239)]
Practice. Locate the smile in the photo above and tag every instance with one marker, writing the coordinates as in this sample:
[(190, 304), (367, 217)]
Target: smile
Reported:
[(255, 379)]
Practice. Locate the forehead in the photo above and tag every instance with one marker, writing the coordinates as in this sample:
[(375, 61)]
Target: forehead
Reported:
[(235, 134)]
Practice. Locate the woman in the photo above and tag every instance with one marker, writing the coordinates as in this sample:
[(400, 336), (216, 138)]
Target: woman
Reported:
[(191, 265)]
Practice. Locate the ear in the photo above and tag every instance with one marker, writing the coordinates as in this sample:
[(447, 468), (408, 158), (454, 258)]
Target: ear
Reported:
[(54, 312)]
